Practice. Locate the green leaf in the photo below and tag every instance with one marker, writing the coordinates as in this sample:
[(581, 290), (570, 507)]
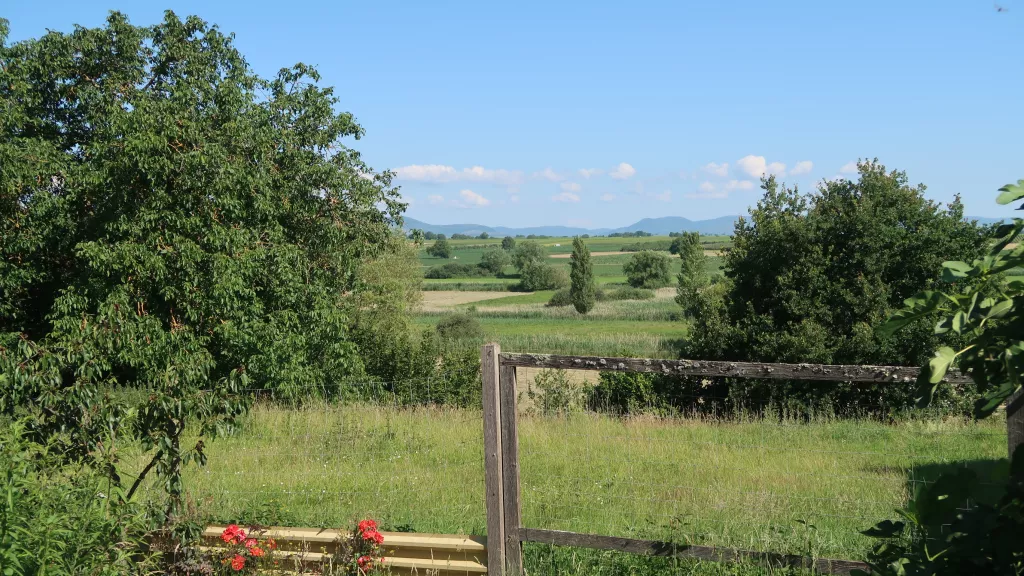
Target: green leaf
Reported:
[(938, 365), (953, 270), (885, 529), (1000, 309), (1011, 192)]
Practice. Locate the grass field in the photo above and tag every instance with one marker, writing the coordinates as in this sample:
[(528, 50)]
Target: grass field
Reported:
[(741, 483)]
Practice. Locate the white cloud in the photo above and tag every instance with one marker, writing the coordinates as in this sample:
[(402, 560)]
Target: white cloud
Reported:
[(622, 171), (571, 187), (439, 173), (757, 166), (514, 199), (706, 186), (608, 197), (665, 196), (549, 174), (706, 195), (590, 172), (435, 199), (566, 197), (427, 173), (849, 168), (473, 198), (739, 185), (717, 169), (802, 167)]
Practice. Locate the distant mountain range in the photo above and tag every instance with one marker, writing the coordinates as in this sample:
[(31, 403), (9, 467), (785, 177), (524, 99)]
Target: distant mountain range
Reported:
[(659, 226)]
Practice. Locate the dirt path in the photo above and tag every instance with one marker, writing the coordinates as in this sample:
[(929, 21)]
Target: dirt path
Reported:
[(438, 300)]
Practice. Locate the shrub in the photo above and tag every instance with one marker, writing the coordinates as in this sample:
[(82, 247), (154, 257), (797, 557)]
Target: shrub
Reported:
[(63, 520), (440, 249), (508, 243), (647, 269), (552, 392), (560, 298), (454, 270), (459, 327), (630, 293), (494, 261), (539, 276)]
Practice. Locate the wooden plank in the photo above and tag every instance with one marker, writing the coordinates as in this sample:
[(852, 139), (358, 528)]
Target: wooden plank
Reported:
[(397, 540), (758, 370), (708, 553), (510, 470), (1015, 421), (493, 476)]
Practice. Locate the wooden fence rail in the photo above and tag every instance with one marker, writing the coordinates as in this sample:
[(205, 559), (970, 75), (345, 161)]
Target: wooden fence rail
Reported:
[(501, 445)]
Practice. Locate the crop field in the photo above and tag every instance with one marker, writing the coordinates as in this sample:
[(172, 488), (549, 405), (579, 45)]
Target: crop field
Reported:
[(802, 487)]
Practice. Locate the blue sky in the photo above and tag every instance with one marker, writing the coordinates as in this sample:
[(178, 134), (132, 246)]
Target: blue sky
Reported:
[(600, 113)]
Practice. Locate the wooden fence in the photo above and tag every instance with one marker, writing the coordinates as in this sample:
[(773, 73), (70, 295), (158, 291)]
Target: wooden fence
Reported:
[(309, 550), (501, 450)]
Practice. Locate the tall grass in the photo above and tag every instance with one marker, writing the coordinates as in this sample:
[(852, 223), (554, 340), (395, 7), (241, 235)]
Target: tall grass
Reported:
[(741, 482)]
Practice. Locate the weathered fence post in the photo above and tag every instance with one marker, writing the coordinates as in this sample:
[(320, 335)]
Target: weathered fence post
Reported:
[(493, 476), (510, 470), (1015, 421)]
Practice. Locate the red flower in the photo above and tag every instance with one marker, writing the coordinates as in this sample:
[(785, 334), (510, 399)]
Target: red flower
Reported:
[(250, 542), (237, 563), (232, 534), (373, 536), (367, 526), (271, 544), (256, 551), (364, 562), (378, 537)]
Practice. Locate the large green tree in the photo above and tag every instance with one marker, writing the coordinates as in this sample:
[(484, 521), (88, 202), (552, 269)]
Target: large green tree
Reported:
[(647, 269), (582, 291), (172, 221), (810, 276)]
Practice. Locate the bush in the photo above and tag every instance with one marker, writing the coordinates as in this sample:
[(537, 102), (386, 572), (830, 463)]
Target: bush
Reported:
[(527, 252), (62, 520), (459, 327), (552, 392), (560, 298), (508, 243), (647, 269), (440, 249), (495, 260), (455, 270), (538, 276), (630, 293)]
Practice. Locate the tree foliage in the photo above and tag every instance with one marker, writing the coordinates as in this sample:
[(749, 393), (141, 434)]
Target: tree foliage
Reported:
[(582, 290), (952, 526), (440, 249), (173, 222), (693, 275), (528, 251), (508, 243), (647, 269), (810, 276), (495, 260)]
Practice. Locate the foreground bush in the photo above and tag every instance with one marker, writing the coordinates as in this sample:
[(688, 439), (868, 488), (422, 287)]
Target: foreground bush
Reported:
[(63, 520)]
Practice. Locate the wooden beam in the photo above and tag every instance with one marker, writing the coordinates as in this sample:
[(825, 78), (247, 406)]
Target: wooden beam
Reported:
[(510, 471), (669, 549), (709, 368), (493, 476), (1015, 421)]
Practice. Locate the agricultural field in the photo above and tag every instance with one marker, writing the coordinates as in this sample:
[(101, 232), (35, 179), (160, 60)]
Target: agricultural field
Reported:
[(523, 322)]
